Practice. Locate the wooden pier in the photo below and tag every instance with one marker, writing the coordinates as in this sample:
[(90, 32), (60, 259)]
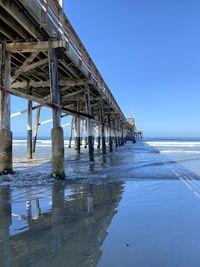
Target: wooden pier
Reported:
[(43, 60)]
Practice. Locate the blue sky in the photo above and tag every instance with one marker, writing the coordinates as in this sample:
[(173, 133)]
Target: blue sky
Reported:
[(148, 52)]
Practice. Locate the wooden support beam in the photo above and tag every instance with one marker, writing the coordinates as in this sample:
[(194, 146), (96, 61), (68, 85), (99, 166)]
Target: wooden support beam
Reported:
[(73, 94), (86, 139), (99, 132), (89, 124), (50, 120), (103, 137), (62, 82), (29, 131), (5, 132), (35, 65), (35, 134), (28, 61), (110, 134), (24, 111), (79, 113), (78, 131), (29, 97), (32, 47), (71, 133), (57, 134)]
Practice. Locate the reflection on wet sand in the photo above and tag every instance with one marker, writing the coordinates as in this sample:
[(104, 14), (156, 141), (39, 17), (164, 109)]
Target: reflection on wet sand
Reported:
[(69, 233)]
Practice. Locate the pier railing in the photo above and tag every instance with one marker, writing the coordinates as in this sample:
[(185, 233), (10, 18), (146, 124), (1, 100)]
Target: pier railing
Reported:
[(49, 14)]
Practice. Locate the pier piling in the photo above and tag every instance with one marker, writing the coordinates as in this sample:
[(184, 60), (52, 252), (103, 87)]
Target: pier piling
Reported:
[(110, 134), (36, 126), (78, 131), (103, 137), (29, 131), (5, 131), (89, 124), (57, 135)]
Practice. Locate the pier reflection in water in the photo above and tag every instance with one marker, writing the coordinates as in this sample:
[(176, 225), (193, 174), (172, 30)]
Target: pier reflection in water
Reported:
[(56, 226)]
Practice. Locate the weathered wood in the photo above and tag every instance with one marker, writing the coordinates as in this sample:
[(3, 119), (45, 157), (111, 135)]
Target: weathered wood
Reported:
[(78, 131), (4, 96), (89, 124), (31, 47), (86, 139), (99, 134), (79, 113), (29, 131), (73, 94), (110, 134), (57, 134), (28, 61), (19, 17), (5, 132), (54, 87), (103, 137), (35, 134), (28, 97), (40, 84), (122, 135), (24, 111), (35, 65), (71, 133)]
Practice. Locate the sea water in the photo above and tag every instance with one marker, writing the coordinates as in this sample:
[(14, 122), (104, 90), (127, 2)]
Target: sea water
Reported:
[(136, 207)]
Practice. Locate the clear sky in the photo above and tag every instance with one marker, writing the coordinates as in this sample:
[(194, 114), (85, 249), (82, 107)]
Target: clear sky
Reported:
[(148, 52)]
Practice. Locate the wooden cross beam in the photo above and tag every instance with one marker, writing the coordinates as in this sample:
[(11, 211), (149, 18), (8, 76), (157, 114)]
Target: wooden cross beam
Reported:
[(40, 46), (24, 111), (67, 96), (62, 82), (24, 65), (29, 97)]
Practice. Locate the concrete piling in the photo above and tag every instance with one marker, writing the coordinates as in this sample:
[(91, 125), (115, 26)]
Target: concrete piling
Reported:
[(57, 137)]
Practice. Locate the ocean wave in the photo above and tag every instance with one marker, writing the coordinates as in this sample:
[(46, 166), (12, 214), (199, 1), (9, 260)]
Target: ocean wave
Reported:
[(173, 144), (180, 151)]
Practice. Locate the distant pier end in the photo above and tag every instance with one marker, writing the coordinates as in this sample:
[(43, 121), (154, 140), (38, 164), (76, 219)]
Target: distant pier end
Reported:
[(43, 60)]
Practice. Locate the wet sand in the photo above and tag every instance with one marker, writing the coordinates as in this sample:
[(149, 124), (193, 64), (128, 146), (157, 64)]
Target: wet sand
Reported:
[(134, 208)]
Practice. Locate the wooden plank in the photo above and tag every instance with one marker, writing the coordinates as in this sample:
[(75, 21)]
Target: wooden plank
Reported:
[(20, 18)]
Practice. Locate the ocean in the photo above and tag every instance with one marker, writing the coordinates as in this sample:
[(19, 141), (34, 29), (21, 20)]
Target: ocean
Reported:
[(135, 207)]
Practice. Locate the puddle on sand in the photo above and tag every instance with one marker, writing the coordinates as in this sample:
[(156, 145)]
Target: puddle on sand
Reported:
[(133, 223)]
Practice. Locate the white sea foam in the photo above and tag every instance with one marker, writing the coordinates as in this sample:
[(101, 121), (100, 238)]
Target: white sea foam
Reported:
[(173, 144), (180, 151)]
